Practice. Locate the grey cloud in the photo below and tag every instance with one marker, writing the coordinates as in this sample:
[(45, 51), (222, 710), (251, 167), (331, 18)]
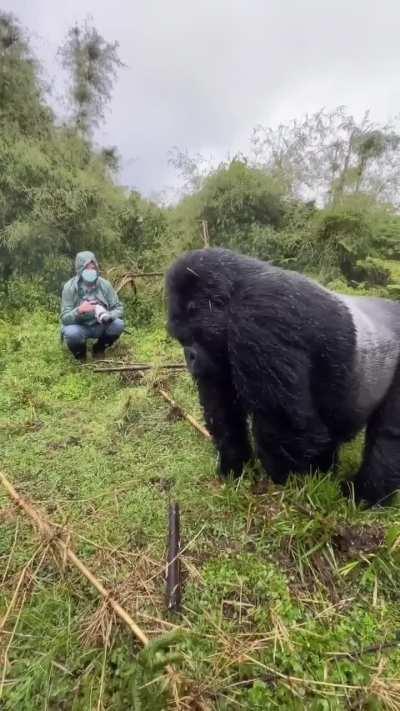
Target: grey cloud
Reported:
[(201, 75)]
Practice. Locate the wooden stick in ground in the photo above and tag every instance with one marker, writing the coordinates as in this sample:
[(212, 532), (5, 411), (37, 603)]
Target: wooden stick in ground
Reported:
[(173, 573), (184, 414), (46, 528)]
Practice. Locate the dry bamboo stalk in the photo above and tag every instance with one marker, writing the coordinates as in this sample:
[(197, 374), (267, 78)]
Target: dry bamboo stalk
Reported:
[(137, 367), (46, 528), (134, 275), (184, 414)]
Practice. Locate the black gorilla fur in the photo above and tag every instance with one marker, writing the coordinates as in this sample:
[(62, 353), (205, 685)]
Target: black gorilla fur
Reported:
[(311, 368)]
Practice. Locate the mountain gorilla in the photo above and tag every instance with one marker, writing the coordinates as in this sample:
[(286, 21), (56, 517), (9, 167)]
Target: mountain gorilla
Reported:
[(309, 367)]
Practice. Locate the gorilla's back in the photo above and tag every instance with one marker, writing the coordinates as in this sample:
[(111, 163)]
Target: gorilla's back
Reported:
[(377, 324)]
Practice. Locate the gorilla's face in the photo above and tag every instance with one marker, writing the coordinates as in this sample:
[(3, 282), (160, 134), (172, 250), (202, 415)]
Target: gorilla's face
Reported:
[(200, 362), (197, 318)]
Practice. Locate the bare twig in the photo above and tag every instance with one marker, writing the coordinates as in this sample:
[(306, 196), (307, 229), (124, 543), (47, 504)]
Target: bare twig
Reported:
[(7, 649), (18, 586), (45, 528)]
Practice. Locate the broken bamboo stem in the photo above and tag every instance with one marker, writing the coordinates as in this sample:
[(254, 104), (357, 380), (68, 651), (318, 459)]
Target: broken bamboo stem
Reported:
[(184, 414), (135, 275), (47, 529), (173, 572), (138, 367)]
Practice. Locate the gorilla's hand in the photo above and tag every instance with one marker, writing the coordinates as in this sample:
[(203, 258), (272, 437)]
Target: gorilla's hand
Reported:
[(231, 462)]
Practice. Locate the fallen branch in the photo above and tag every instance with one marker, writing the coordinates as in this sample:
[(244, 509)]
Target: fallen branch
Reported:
[(184, 414), (45, 528), (173, 572), (373, 649), (134, 275), (138, 367)]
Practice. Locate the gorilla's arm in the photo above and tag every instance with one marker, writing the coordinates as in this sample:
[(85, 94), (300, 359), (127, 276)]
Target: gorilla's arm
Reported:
[(273, 371), (226, 422), (379, 475)]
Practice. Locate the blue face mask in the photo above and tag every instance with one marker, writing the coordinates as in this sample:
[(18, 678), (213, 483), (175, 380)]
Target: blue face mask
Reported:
[(89, 276)]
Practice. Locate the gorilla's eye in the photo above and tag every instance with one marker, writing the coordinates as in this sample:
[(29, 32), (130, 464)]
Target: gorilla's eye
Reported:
[(191, 307)]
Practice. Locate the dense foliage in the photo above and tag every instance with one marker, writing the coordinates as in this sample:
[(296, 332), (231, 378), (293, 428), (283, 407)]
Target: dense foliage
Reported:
[(317, 195)]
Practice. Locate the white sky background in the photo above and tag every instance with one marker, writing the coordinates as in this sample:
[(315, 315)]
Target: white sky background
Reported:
[(202, 73)]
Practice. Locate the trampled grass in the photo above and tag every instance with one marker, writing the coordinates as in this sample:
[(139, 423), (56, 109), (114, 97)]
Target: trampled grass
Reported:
[(290, 597)]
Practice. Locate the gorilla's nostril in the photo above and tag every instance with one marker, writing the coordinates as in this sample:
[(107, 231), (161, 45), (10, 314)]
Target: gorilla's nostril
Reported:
[(192, 356)]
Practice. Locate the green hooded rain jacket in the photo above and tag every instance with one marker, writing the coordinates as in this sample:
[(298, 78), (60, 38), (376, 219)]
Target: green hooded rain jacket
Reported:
[(74, 293)]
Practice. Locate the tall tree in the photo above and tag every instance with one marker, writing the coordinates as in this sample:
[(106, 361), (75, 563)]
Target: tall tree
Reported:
[(92, 63), (330, 154), (21, 89)]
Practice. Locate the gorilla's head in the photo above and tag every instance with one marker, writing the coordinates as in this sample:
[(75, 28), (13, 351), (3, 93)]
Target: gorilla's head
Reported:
[(199, 288)]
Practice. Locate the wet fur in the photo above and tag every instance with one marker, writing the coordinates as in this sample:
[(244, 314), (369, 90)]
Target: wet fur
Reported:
[(307, 368)]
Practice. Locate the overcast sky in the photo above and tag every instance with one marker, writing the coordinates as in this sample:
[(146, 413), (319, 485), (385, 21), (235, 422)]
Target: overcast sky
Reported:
[(202, 73)]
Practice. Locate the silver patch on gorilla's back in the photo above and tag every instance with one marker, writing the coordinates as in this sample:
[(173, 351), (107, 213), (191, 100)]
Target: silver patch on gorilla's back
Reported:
[(377, 352)]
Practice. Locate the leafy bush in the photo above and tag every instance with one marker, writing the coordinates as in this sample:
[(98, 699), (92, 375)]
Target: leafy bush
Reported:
[(237, 202), (371, 271)]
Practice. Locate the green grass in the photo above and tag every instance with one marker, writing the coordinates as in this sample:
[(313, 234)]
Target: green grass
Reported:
[(287, 592)]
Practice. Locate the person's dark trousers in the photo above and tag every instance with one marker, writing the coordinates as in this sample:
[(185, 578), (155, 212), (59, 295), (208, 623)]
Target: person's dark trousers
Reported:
[(77, 335)]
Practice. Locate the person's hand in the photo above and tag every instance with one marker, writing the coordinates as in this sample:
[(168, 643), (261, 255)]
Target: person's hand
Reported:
[(102, 315), (86, 307)]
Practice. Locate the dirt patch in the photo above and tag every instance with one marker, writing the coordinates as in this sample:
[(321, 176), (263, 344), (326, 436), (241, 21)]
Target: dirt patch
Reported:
[(174, 414), (130, 377), (350, 541), (8, 515), (69, 442), (163, 484), (260, 487)]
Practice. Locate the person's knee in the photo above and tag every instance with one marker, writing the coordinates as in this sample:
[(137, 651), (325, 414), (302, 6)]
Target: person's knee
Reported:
[(74, 335), (115, 328)]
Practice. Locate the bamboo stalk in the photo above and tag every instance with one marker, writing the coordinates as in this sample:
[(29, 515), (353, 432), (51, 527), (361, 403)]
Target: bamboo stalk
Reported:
[(137, 367), (134, 275), (184, 414), (46, 528)]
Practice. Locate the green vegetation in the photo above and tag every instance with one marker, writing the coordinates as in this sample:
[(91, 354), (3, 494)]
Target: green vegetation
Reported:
[(287, 591), (291, 596)]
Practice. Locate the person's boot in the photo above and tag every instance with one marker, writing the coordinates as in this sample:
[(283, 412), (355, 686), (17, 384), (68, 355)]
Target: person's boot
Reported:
[(79, 351), (100, 346), (98, 349)]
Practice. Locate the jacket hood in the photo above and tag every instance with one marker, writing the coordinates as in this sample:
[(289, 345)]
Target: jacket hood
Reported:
[(83, 258)]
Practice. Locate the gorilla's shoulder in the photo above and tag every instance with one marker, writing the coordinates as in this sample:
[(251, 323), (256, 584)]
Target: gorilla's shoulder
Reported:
[(216, 264)]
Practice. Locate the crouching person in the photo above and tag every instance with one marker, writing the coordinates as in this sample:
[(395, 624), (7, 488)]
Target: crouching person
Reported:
[(90, 309)]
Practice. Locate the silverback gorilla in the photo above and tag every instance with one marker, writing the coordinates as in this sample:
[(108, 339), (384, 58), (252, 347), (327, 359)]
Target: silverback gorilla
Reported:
[(310, 368)]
